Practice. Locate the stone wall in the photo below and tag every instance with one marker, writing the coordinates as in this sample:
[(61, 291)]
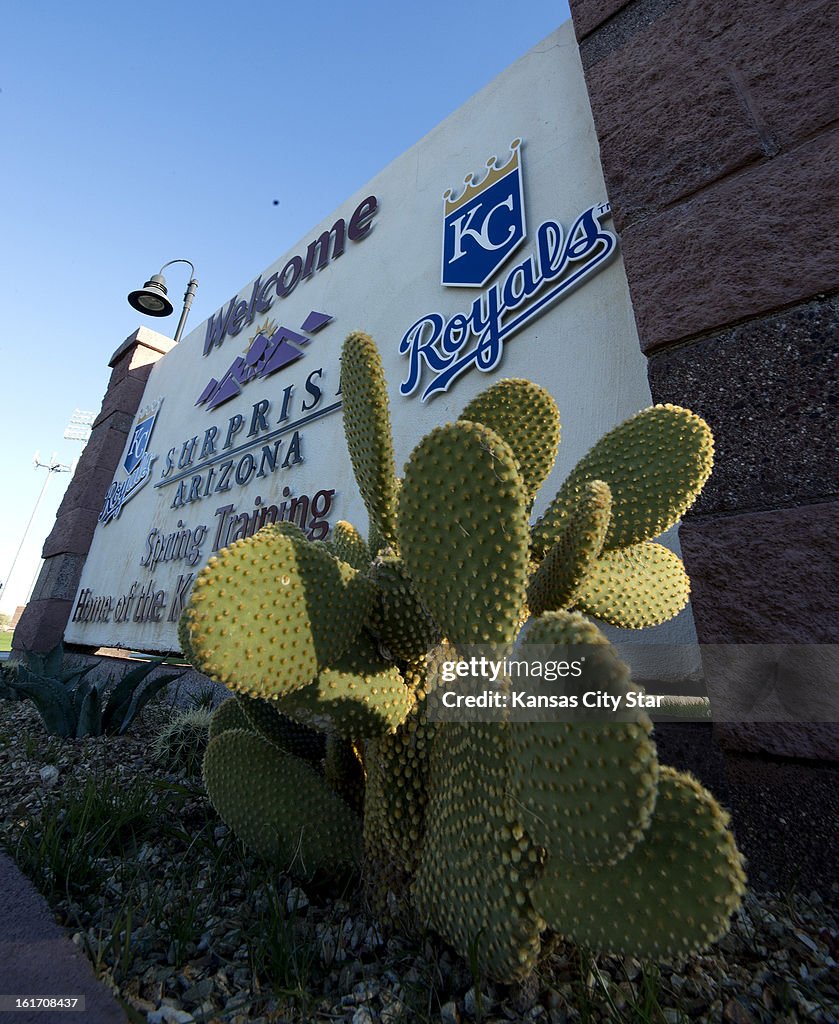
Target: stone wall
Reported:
[(718, 126), (42, 624)]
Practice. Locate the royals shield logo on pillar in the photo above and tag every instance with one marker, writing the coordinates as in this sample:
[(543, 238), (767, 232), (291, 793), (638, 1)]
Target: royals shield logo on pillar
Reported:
[(140, 440), (137, 462), (484, 226)]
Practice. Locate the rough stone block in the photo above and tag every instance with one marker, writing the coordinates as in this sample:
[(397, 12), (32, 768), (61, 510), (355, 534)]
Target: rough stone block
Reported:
[(813, 741), (123, 397), (142, 347), (654, 158), (588, 14), (119, 421), (698, 90), (95, 471), (42, 625), (768, 390), (764, 577), (790, 76), (754, 243), (59, 577), (72, 533), (87, 490)]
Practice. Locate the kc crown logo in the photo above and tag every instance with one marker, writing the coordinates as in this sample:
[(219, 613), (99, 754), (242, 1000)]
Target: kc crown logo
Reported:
[(484, 227)]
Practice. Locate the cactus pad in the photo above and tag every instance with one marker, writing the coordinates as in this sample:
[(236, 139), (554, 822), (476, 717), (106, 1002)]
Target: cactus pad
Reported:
[(555, 583), (584, 782), (264, 718), (655, 464), (397, 783), (403, 624), (350, 546), (671, 896), (256, 788), (269, 611), (228, 715), (634, 587), (183, 637), (358, 695), (463, 532), (526, 416), (478, 863), (367, 430)]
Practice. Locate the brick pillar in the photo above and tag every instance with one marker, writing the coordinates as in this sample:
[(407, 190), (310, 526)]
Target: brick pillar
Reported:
[(42, 624), (719, 143)]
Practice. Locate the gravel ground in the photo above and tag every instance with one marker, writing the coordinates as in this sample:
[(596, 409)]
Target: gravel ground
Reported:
[(184, 925)]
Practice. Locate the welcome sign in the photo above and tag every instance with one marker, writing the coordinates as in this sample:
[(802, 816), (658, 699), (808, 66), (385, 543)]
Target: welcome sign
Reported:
[(514, 273)]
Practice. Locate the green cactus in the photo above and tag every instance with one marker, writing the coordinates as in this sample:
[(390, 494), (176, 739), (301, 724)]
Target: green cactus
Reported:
[(558, 579), (478, 863), (368, 433), (492, 831), (468, 559), (635, 587), (585, 787), (526, 416), (265, 718), (357, 696), (673, 893), (320, 833), (228, 715), (396, 793), (655, 465), (269, 612), (350, 546), (401, 623), (182, 741)]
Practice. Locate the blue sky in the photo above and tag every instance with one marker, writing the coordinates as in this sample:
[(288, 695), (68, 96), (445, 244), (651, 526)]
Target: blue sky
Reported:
[(135, 134)]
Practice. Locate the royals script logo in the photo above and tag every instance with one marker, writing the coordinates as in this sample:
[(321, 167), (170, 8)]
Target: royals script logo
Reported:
[(481, 231), (138, 462)]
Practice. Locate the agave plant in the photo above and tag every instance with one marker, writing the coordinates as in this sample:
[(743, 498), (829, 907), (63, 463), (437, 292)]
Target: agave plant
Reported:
[(73, 705)]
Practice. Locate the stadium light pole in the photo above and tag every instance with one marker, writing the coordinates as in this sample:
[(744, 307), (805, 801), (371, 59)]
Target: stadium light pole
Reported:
[(53, 466)]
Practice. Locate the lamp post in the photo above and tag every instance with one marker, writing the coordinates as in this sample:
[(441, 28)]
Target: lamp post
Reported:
[(153, 300)]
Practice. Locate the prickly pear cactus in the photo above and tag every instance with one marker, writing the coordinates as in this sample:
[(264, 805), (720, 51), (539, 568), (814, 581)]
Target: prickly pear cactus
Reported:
[(328, 758)]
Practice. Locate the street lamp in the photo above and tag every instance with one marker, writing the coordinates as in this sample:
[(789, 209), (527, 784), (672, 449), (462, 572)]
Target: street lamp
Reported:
[(152, 299)]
